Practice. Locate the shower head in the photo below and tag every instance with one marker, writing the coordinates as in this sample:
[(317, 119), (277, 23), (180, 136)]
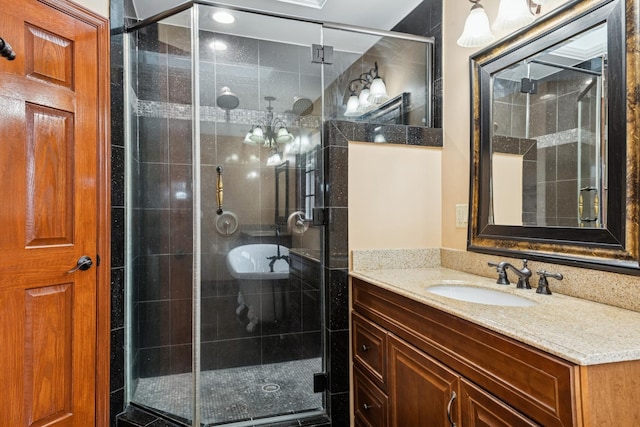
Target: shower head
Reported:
[(302, 106), (227, 100)]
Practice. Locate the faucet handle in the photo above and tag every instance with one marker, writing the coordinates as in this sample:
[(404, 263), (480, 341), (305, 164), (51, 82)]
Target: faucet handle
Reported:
[(543, 284)]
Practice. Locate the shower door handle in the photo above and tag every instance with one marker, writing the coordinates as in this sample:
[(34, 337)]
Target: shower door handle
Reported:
[(219, 190)]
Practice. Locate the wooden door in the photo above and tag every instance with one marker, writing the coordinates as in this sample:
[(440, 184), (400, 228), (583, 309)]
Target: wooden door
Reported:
[(50, 129), (420, 389)]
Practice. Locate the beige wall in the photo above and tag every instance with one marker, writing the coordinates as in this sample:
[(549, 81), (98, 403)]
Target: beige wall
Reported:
[(101, 7), (394, 196), (456, 112)]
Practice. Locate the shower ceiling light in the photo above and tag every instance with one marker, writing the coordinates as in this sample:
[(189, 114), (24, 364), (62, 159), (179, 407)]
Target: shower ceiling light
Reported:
[(223, 17), (218, 45), (316, 4), (512, 14), (373, 92)]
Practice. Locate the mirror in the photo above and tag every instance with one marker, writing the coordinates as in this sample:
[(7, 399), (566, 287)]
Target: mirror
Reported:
[(553, 160), (282, 193)]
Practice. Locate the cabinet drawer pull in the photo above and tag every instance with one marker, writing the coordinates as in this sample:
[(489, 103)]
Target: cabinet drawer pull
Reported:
[(365, 347), (449, 406), (366, 407)]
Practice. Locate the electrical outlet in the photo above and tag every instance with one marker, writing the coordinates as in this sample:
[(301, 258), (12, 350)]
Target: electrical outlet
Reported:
[(462, 216)]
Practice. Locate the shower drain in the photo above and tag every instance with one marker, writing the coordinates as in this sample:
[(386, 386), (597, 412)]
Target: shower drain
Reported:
[(270, 388)]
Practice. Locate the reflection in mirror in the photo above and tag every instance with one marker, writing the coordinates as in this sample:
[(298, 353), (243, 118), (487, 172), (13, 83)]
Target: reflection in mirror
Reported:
[(282, 193), (554, 165), (548, 138)]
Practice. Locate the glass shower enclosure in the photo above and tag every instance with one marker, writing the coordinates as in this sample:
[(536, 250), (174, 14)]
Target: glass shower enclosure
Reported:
[(225, 176)]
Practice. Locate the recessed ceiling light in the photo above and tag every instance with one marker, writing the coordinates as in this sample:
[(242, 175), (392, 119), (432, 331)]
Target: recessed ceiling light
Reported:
[(223, 18), (218, 45), (316, 4)]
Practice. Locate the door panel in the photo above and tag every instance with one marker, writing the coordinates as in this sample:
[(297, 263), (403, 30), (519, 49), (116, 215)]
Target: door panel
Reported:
[(412, 373), (48, 216)]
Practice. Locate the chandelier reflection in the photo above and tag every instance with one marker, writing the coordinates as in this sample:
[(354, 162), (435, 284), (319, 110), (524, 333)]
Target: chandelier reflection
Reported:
[(270, 133)]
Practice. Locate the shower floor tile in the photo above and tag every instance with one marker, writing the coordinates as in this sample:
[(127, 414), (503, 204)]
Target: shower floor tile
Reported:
[(236, 394)]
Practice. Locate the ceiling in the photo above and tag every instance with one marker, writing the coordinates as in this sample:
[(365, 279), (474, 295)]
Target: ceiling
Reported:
[(377, 14)]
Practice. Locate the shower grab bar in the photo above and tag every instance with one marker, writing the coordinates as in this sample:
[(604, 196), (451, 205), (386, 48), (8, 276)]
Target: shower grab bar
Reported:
[(219, 190), (6, 51)]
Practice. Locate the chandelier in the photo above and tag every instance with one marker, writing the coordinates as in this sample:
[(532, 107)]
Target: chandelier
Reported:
[(270, 133)]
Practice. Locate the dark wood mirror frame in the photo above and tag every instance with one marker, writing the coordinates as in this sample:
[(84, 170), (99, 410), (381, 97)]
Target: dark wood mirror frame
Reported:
[(616, 247)]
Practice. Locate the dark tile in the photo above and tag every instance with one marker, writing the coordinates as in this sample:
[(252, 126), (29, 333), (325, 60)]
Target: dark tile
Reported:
[(181, 232), (427, 137), (337, 250), (116, 406), (152, 278), (179, 82), (155, 231), (311, 319), (181, 359), (181, 275), (339, 408), (338, 362), (281, 348), (340, 133), (155, 323), (154, 186), (153, 362), (337, 306), (181, 193), (181, 321), (336, 176), (390, 134), (180, 136), (240, 352), (312, 344), (117, 359), (153, 139), (117, 237), (567, 161), (117, 176), (567, 200), (549, 156), (117, 298)]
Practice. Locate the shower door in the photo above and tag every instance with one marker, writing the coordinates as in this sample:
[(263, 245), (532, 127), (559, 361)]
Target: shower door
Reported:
[(260, 100), (224, 164)]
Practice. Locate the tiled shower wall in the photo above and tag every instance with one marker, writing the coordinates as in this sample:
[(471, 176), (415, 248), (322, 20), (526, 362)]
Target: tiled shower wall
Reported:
[(424, 20)]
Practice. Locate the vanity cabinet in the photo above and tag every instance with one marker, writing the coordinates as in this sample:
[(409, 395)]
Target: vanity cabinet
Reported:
[(415, 365)]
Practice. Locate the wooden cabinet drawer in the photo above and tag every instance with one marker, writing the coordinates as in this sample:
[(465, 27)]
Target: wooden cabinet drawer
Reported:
[(369, 349), (370, 404), (481, 409)]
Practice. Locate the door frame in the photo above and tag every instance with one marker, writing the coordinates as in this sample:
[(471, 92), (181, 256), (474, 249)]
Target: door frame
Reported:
[(103, 186)]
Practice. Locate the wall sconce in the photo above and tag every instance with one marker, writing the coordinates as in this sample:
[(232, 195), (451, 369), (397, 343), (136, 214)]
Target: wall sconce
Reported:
[(373, 92), (512, 14)]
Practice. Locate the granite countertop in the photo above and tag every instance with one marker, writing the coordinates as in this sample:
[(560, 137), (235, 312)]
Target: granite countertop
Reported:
[(580, 331)]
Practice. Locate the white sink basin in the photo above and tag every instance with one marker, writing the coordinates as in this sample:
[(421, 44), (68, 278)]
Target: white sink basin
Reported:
[(480, 295)]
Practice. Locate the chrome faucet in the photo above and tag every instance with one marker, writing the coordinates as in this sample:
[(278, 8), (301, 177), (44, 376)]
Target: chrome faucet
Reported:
[(523, 274)]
